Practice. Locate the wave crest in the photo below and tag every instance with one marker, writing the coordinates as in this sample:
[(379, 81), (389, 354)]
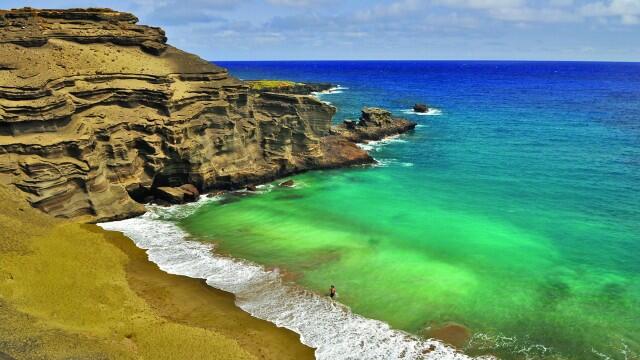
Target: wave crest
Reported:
[(328, 326)]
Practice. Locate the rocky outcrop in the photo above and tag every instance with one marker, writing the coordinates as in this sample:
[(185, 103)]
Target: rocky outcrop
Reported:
[(98, 113), (420, 108), (34, 28), (374, 124), (288, 87)]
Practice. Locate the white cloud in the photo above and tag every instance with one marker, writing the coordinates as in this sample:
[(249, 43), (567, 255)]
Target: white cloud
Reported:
[(627, 10), (527, 14), (395, 8), (482, 4), (561, 3), (297, 3)]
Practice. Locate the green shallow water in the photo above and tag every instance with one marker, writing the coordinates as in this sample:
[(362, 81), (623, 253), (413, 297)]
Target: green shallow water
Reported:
[(516, 215), (413, 262)]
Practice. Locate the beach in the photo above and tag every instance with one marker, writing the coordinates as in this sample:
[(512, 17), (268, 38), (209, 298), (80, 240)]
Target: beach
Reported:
[(75, 290)]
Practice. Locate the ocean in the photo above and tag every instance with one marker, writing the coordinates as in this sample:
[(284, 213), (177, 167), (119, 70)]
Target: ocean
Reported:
[(513, 210)]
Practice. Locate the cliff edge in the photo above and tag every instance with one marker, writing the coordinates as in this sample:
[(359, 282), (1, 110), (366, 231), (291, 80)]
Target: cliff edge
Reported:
[(97, 111)]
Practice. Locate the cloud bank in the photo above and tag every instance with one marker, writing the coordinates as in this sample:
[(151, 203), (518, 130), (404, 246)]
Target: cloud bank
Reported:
[(390, 29)]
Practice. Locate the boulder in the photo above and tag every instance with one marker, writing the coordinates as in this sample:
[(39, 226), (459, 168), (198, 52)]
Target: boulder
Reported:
[(251, 187), (174, 195), (191, 192), (420, 108), (288, 183), (350, 124)]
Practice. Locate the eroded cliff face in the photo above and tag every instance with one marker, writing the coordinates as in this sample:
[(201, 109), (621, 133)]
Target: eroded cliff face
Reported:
[(97, 111)]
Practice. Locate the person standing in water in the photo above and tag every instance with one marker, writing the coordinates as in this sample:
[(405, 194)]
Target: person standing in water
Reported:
[(332, 291)]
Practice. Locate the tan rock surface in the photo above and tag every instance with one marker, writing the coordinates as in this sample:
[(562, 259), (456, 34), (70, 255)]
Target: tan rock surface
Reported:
[(96, 111)]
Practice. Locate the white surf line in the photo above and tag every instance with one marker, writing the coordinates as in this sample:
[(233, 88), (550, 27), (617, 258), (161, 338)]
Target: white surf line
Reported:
[(329, 327), (334, 90), (430, 112)]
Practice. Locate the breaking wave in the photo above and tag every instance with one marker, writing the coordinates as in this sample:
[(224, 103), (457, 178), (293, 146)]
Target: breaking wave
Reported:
[(376, 145), (430, 112), (334, 90), (328, 326)]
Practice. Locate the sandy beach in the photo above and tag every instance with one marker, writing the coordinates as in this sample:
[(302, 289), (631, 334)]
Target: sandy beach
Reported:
[(75, 290)]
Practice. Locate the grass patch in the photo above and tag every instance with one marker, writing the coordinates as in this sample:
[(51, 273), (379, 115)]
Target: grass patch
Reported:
[(270, 84)]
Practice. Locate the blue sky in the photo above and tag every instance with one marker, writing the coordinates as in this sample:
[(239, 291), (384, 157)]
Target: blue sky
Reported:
[(388, 29)]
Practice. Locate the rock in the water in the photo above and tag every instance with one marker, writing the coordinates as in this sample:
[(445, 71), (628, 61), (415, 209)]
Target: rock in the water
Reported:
[(420, 108), (288, 183), (97, 112), (374, 124), (375, 117), (252, 187)]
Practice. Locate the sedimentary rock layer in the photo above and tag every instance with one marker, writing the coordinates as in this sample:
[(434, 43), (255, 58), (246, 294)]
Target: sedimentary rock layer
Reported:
[(97, 113)]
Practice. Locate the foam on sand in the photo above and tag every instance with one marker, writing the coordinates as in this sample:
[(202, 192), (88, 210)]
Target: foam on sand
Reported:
[(326, 325)]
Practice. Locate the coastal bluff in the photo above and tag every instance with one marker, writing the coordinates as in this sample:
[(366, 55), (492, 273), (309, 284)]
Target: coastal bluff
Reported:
[(97, 112)]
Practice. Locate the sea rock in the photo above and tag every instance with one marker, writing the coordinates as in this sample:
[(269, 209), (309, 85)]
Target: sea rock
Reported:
[(173, 195), (420, 108), (252, 187), (97, 112), (375, 117), (288, 183), (374, 124)]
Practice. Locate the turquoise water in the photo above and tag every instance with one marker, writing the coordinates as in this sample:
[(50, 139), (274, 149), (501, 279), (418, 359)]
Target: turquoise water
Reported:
[(514, 213)]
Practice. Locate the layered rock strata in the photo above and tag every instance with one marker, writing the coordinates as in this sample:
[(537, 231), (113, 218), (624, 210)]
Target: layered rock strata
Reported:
[(98, 113)]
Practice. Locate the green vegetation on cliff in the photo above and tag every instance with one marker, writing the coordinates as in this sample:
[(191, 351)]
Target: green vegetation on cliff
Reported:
[(270, 84)]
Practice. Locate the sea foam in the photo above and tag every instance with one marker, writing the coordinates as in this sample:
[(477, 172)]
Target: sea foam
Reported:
[(430, 112), (328, 326), (334, 90), (375, 145)]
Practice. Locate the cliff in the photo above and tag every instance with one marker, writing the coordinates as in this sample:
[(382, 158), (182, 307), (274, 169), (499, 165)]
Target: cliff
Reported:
[(96, 112)]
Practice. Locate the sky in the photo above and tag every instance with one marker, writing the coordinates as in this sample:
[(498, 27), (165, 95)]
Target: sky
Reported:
[(603, 30)]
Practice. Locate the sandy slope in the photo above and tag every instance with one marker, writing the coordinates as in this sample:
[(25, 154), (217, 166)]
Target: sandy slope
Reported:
[(74, 290)]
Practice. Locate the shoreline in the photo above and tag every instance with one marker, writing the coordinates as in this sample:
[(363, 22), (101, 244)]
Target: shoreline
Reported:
[(72, 290), (265, 294), (192, 302)]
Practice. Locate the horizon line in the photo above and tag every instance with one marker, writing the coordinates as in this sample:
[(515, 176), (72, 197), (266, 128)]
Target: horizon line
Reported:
[(428, 60)]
